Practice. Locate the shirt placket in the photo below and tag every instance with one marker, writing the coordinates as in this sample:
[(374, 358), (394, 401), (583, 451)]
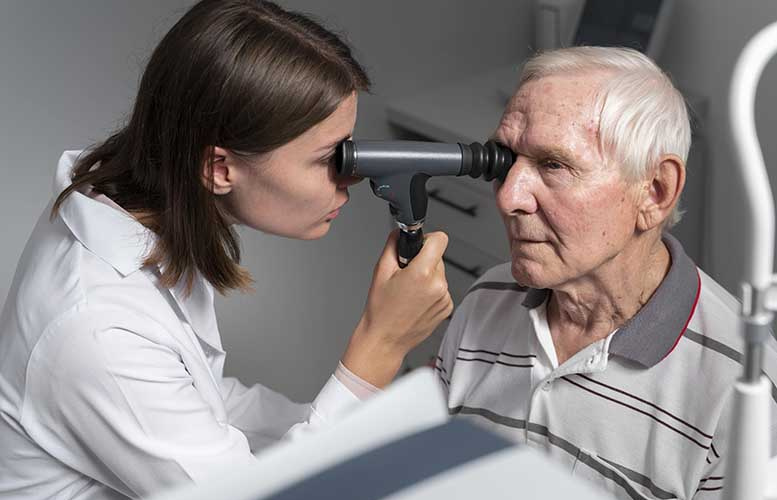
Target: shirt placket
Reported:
[(545, 380)]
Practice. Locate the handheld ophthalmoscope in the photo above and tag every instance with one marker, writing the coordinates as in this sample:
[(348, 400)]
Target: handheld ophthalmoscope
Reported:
[(398, 171)]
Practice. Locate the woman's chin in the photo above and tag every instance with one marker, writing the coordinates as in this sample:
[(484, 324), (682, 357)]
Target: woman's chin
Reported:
[(317, 232), (313, 232)]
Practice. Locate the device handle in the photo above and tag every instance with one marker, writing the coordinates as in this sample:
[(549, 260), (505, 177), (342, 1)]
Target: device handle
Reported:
[(408, 245)]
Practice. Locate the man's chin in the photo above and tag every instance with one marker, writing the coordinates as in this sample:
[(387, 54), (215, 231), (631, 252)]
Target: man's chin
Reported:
[(524, 277)]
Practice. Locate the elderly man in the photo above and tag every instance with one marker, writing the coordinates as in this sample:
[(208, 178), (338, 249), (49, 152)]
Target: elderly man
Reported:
[(601, 341)]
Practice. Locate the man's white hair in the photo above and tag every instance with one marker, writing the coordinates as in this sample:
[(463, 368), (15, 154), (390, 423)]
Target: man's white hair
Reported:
[(642, 114)]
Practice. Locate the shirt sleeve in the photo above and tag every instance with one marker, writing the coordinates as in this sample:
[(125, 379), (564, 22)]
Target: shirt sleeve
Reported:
[(266, 416), (263, 415), (123, 410), (354, 383), (331, 404)]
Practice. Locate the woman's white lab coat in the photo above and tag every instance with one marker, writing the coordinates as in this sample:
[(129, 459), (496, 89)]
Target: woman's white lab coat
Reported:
[(111, 384)]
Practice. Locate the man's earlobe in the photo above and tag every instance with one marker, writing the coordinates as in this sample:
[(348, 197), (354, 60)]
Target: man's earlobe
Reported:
[(663, 192), (217, 171)]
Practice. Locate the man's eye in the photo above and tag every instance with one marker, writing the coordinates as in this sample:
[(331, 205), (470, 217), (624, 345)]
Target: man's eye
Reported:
[(552, 164)]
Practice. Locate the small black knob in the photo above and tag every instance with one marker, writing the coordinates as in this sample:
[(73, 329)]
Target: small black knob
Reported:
[(408, 246)]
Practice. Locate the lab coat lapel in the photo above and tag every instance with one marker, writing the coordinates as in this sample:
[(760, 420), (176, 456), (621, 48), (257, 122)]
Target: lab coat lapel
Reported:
[(198, 308)]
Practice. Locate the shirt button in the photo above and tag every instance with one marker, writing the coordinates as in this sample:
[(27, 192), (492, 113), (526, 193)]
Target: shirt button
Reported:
[(592, 361), (546, 386)]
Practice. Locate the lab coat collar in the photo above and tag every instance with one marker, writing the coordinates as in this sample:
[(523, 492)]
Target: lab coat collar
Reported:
[(124, 243), (654, 331), (112, 235)]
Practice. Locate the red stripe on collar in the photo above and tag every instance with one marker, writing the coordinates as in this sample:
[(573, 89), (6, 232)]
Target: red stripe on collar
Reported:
[(687, 321)]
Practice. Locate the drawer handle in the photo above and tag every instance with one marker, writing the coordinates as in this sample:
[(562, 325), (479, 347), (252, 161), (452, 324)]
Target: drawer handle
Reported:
[(475, 271), (471, 211)]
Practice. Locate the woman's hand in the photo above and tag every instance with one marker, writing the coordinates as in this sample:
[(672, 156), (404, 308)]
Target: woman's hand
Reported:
[(404, 306)]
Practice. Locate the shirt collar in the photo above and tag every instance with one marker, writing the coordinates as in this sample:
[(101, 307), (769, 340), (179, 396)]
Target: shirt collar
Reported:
[(119, 239), (654, 331), (112, 235)]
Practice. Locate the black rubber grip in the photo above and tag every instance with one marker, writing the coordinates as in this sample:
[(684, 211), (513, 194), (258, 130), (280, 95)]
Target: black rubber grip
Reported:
[(408, 245), (345, 158)]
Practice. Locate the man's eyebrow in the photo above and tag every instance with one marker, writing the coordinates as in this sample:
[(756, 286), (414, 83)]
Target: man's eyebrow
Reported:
[(551, 152), (541, 152)]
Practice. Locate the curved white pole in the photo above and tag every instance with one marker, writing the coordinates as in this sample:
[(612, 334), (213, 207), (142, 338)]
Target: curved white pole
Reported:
[(744, 84), (748, 451)]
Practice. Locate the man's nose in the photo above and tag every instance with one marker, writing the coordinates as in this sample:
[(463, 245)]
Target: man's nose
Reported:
[(515, 194)]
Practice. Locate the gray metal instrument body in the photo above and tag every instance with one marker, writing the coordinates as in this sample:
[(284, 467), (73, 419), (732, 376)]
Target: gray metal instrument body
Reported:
[(398, 171)]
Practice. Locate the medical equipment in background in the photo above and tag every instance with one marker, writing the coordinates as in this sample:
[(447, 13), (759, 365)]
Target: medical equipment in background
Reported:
[(639, 24), (398, 171), (747, 467)]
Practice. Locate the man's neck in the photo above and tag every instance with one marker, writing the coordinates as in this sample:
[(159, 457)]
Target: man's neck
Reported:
[(593, 306)]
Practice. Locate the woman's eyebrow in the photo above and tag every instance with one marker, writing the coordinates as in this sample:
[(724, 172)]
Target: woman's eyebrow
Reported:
[(332, 145)]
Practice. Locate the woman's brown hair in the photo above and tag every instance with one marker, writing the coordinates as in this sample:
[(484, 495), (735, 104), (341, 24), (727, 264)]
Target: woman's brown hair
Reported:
[(245, 75)]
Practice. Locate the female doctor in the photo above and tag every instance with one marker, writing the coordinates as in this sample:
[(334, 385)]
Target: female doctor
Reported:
[(110, 357)]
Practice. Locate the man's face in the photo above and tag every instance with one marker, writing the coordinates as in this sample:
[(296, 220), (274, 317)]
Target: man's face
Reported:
[(566, 210)]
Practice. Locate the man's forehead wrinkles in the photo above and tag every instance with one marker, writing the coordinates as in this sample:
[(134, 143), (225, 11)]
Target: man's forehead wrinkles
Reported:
[(553, 115), (512, 121)]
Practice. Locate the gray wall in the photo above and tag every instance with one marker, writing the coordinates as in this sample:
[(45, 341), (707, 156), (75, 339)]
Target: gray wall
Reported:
[(68, 72)]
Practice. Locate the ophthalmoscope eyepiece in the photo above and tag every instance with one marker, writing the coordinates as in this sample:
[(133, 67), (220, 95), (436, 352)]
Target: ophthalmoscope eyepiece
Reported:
[(398, 171)]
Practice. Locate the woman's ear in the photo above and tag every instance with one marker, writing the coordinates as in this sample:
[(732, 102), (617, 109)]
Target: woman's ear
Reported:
[(663, 192), (218, 171)]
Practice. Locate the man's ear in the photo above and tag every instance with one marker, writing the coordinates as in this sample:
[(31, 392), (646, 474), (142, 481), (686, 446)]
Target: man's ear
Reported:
[(663, 190), (218, 171)]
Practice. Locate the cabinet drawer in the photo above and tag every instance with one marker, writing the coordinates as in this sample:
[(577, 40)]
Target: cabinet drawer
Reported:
[(466, 214)]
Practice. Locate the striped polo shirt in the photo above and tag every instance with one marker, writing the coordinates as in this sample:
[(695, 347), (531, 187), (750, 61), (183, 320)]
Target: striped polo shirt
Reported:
[(644, 412)]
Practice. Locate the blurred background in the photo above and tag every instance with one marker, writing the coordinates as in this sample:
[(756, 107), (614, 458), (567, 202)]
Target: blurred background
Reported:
[(442, 70)]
